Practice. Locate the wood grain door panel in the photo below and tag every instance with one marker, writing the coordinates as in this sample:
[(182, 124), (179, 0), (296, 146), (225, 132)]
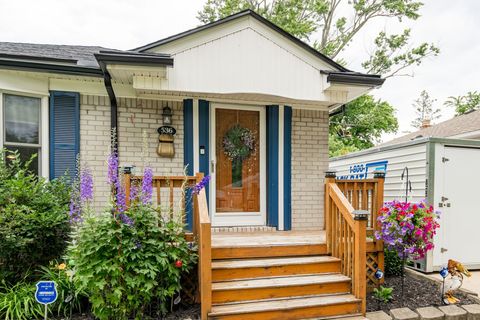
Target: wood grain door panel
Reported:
[(232, 195)]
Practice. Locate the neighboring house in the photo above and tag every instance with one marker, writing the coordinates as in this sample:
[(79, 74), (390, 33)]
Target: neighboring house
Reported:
[(465, 126), (58, 101)]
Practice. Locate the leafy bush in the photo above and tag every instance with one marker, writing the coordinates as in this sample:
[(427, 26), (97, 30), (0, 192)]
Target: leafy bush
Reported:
[(34, 223), (18, 302), (137, 261), (393, 263), (70, 297)]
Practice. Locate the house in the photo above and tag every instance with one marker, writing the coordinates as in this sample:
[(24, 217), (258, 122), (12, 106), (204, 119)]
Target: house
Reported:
[(238, 99), (465, 126)]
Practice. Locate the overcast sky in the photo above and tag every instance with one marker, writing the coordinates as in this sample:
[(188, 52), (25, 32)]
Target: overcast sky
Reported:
[(454, 26)]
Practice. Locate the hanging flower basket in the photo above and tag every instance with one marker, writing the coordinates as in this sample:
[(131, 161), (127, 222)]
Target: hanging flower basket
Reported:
[(238, 143)]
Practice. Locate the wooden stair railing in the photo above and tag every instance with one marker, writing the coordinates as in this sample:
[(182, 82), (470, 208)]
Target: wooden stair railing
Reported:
[(202, 232), (346, 232)]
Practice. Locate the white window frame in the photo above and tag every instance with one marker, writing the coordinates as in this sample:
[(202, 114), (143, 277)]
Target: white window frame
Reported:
[(43, 154)]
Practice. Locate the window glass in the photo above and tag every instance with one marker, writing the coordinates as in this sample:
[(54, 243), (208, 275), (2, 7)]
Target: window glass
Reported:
[(25, 154), (22, 119)]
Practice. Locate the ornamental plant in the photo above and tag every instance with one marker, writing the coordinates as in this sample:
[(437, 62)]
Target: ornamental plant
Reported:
[(128, 258), (407, 229)]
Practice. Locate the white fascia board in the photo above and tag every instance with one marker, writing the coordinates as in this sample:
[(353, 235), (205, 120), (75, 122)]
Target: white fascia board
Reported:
[(23, 82)]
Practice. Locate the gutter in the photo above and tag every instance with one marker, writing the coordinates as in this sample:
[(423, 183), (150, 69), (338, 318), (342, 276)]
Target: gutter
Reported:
[(354, 78), (107, 80), (50, 68)]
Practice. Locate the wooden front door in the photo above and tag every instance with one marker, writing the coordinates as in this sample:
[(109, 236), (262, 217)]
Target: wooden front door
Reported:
[(239, 182)]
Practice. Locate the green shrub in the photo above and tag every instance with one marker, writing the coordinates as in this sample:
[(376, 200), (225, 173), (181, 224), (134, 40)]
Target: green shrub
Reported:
[(128, 261), (18, 302), (34, 223), (393, 263), (70, 298)]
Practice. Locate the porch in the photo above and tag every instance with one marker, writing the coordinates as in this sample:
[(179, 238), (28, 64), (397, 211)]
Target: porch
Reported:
[(285, 274)]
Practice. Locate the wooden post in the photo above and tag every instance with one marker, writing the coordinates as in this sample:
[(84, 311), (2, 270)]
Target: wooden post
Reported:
[(360, 272), (128, 181), (380, 176), (330, 176)]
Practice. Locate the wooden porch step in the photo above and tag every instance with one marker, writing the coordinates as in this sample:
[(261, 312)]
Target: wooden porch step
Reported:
[(265, 251), (279, 287), (289, 308), (272, 267)]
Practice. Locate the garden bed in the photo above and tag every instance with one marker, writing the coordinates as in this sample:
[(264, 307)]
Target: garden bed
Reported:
[(184, 313), (418, 293)]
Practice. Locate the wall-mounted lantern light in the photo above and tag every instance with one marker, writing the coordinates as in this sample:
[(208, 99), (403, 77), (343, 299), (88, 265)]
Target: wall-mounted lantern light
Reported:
[(167, 115)]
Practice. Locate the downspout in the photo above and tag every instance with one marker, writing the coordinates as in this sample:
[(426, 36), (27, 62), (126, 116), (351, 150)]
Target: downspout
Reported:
[(107, 79)]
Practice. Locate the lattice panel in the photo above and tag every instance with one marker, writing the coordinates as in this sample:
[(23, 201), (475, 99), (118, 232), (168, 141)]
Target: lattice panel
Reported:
[(189, 291), (375, 260)]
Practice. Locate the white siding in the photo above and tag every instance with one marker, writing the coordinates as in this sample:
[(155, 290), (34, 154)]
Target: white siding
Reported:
[(414, 157)]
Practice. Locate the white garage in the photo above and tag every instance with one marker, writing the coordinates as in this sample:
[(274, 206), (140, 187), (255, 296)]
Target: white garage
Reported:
[(445, 172)]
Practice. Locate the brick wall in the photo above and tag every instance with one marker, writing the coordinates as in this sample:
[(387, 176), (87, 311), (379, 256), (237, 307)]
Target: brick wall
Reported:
[(309, 163), (135, 116)]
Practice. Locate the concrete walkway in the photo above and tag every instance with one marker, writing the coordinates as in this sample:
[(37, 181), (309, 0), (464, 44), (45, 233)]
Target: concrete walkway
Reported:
[(472, 283)]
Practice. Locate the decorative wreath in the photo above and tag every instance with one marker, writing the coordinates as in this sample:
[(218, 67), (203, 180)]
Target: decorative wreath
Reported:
[(238, 143)]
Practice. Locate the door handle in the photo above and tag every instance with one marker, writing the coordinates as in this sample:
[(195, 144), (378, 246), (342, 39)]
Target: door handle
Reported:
[(212, 166)]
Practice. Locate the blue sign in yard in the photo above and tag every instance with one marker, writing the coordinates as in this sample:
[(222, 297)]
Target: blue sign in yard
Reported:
[(46, 292)]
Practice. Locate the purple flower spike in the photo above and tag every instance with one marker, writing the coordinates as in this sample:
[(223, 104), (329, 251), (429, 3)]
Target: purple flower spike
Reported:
[(112, 163), (202, 184), (121, 197), (126, 219), (147, 186), (86, 185), (133, 192)]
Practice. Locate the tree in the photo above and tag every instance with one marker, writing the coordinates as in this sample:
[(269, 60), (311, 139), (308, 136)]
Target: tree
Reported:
[(361, 125), (464, 104), (424, 110), (331, 26)]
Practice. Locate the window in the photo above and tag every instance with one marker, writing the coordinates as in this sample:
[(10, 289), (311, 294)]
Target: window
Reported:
[(21, 116)]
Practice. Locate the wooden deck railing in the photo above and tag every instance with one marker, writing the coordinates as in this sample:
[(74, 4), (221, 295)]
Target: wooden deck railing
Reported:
[(365, 194), (202, 232), (167, 189), (346, 231)]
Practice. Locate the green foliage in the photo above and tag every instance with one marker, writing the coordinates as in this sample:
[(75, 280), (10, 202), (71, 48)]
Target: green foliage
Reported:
[(34, 224), (424, 109), (391, 56), (70, 297), (337, 22), (393, 263), (383, 294), (133, 266), (464, 104), (361, 125), (18, 302)]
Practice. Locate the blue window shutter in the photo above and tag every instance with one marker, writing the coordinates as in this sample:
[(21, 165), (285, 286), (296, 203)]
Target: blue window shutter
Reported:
[(64, 133), (203, 138), (188, 154), (272, 166), (287, 168)]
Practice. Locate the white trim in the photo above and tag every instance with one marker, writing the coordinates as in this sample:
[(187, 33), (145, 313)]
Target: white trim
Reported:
[(196, 142), (43, 143), (239, 218), (1, 120), (44, 138), (281, 110)]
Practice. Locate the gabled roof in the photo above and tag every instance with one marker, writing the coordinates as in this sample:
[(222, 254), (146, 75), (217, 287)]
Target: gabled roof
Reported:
[(77, 55), (459, 125), (69, 59), (236, 16)]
